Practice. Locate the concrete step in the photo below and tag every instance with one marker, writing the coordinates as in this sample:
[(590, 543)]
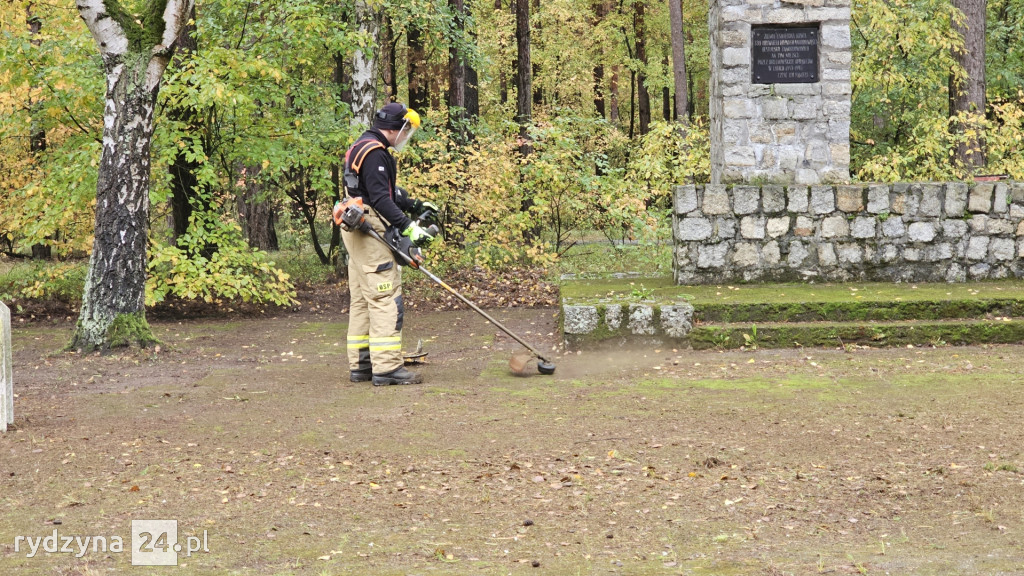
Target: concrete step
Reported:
[(873, 334), (858, 311)]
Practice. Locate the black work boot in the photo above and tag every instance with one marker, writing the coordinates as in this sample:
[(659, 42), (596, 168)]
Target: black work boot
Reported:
[(399, 376), (360, 375)]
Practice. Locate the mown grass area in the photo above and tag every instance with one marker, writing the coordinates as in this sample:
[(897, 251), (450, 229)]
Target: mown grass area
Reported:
[(601, 259)]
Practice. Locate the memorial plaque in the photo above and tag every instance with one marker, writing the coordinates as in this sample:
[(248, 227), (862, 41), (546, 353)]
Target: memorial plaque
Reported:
[(784, 55)]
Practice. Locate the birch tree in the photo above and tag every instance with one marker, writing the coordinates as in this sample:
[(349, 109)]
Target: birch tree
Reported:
[(364, 65), (135, 50)]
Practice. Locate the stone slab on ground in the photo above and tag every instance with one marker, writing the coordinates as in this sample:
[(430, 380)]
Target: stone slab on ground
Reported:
[(6, 370), (586, 322)]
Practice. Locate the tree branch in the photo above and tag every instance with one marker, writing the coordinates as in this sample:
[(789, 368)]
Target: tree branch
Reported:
[(108, 33), (175, 14)]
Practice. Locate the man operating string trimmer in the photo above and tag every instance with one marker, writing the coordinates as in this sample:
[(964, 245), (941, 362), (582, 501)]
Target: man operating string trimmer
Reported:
[(371, 219), (375, 279)]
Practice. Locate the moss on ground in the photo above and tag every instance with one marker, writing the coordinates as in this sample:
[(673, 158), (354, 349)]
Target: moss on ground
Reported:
[(625, 290), (130, 329), (870, 310)]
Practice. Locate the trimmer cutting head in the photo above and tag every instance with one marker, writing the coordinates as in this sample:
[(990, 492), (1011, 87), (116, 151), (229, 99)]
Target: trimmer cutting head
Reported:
[(519, 364)]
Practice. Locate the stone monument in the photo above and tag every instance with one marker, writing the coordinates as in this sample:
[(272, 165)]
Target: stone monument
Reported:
[(780, 91), (6, 370)]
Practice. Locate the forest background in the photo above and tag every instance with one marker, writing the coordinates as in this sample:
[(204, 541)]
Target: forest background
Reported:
[(544, 120)]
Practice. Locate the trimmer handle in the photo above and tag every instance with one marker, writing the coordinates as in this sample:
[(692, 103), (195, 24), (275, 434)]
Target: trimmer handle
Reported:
[(429, 216)]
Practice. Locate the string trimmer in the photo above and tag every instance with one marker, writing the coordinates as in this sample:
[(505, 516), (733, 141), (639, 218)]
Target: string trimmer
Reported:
[(351, 215)]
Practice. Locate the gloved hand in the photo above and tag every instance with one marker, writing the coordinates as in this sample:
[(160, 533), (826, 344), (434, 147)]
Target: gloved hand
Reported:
[(419, 235), (419, 206)]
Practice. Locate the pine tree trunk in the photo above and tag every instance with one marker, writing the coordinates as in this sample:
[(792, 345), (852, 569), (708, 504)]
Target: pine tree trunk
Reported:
[(457, 76), (390, 58), (666, 97), (115, 285), (419, 95), (613, 96), (643, 95), (472, 93), (185, 192), (675, 11), (524, 76), (599, 90), (255, 213), (538, 91), (37, 131), (968, 94)]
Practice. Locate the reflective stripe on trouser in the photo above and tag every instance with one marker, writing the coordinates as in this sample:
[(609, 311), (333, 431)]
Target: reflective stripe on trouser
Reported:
[(361, 345), (375, 312)]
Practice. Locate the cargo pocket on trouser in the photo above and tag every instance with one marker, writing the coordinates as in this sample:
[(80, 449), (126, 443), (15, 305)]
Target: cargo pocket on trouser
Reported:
[(384, 287)]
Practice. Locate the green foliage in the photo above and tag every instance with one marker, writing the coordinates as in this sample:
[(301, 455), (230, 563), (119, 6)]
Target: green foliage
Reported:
[(233, 271), (928, 153), (671, 154), (573, 180), (1004, 50), (901, 65), (900, 125), (504, 209), (44, 281), (50, 83), (144, 29)]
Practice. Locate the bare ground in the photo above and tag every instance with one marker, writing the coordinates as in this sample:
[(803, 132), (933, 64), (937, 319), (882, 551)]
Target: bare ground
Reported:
[(899, 461)]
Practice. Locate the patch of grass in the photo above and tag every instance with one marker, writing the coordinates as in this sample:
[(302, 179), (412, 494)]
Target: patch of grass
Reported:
[(601, 259), (304, 268), (616, 290)]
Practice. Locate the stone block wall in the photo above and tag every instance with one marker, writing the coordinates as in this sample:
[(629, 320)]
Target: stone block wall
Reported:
[(904, 232), (779, 133)]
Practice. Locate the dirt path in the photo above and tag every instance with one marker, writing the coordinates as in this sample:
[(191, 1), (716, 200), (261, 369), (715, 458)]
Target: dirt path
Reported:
[(904, 461)]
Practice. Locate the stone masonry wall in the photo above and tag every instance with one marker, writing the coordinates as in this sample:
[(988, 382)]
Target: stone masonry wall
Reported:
[(779, 133), (907, 232)]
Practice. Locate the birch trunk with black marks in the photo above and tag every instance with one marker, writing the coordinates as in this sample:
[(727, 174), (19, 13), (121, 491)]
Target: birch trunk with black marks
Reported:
[(135, 52), (364, 65)]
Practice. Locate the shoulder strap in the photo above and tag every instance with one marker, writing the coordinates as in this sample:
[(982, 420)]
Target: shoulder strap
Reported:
[(361, 152)]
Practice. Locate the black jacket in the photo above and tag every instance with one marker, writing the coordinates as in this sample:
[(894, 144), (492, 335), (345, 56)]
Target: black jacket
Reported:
[(377, 178)]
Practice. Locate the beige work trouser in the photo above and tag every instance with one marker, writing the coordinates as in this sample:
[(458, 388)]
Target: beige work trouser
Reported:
[(376, 310)]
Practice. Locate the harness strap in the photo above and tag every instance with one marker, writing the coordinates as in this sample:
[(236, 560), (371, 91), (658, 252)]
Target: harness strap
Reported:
[(354, 162), (362, 152)]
